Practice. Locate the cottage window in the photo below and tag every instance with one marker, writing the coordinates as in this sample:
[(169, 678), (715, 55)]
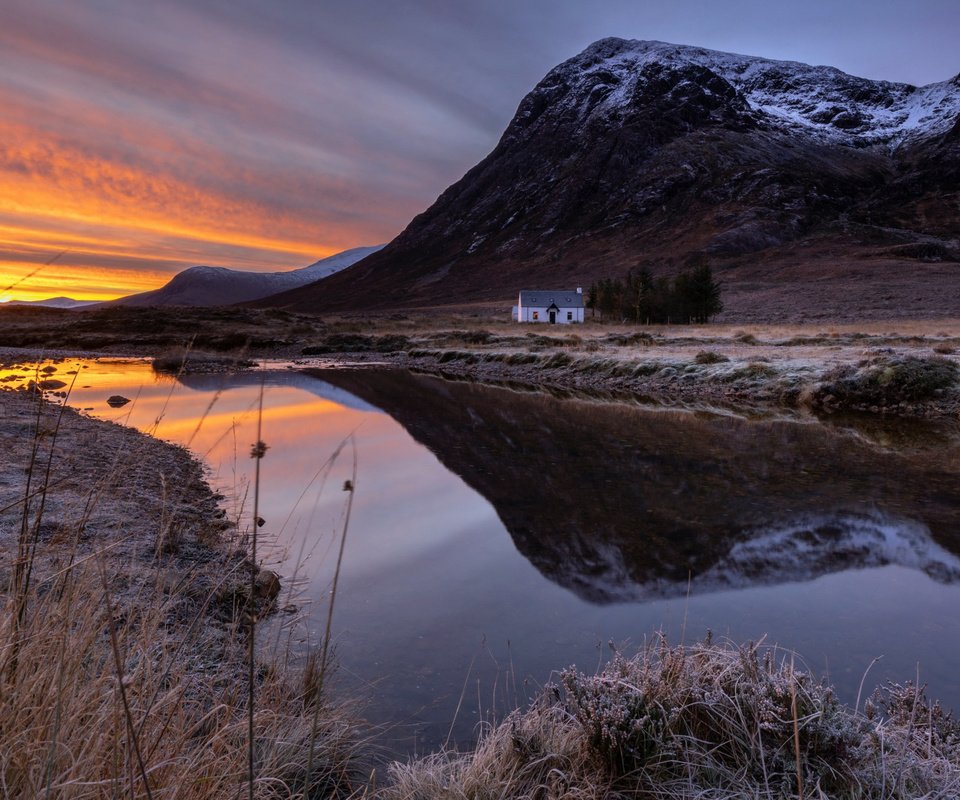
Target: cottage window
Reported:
[(536, 315), (569, 315)]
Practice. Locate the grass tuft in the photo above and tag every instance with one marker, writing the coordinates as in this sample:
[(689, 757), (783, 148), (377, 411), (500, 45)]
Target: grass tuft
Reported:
[(695, 722), (709, 357), (887, 382)]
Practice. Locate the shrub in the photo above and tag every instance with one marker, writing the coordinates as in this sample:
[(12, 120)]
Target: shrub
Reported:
[(558, 360), (628, 339), (709, 357), (886, 382), (522, 358), (753, 370)]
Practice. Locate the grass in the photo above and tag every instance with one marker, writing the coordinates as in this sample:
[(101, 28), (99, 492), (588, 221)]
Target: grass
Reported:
[(129, 672), (123, 669), (885, 382), (707, 721), (709, 357)]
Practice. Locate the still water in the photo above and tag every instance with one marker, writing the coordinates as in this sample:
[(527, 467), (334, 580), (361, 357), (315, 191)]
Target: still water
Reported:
[(497, 536)]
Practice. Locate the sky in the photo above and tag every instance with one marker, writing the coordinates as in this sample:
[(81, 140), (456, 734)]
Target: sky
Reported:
[(141, 138)]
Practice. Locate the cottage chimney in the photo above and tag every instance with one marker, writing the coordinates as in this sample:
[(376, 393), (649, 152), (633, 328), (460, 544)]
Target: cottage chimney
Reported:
[(579, 290)]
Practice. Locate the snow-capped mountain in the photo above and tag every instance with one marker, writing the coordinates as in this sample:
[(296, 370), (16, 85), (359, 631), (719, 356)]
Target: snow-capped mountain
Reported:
[(790, 553), (821, 102), (630, 505), (219, 286), (54, 302), (793, 179)]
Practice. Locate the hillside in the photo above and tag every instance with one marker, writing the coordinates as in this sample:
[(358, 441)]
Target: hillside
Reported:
[(800, 183), (219, 286), (54, 302)]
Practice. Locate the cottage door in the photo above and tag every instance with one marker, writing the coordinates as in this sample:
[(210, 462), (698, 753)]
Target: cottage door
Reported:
[(553, 317)]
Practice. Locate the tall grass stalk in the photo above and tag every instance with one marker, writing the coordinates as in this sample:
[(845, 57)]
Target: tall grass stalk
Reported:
[(350, 487), (118, 663), (257, 453), (128, 659)]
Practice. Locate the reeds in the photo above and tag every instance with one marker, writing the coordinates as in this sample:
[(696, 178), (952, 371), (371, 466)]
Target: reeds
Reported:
[(124, 674)]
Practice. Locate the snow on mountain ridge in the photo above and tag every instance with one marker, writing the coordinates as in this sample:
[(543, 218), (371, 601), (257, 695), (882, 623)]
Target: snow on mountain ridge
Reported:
[(821, 101), (216, 286), (799, 551)]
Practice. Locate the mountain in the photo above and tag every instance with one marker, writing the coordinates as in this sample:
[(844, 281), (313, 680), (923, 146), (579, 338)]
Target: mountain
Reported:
[(799, 183), (219, 286), (54, 302)]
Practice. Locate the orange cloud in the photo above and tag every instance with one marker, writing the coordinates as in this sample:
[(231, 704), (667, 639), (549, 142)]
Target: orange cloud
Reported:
[(136, 147), (81, 282), (55, 195)]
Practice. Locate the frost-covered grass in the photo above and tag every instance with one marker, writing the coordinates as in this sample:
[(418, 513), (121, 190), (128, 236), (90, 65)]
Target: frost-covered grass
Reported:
[(125, 618), (883, 382), (707, 721)]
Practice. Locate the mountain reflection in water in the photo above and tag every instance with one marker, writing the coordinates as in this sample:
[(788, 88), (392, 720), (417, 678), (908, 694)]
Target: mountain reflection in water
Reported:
[(621, 504), (498, 535)]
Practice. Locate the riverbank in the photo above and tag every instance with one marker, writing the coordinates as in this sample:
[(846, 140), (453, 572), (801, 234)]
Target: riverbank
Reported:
[(907, 368), (126, 609), (556, 747), (911, 371)]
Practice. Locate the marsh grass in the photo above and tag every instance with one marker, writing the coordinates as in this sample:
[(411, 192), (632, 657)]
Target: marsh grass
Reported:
[(883, 382), (127, 674), (122, 674), (705, 721)]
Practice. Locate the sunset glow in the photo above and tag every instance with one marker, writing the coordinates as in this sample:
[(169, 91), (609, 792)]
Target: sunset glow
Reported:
[(136, 143), (137, 140)]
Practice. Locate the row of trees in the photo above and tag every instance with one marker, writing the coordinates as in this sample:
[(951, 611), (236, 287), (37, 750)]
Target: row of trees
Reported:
[(691, 297)]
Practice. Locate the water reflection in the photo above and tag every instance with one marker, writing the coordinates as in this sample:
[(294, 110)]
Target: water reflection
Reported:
[(500, 535), (619, 504)]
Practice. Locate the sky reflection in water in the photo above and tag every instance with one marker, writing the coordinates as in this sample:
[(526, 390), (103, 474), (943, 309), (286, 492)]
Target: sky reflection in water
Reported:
[(439, 599)]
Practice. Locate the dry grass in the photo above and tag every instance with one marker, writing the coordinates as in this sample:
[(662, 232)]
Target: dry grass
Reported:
[(708, 721), (122, 665), (65, 732), (123, 674)]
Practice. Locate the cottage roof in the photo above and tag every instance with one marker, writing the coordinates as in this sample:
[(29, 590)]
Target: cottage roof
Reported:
[(543, 298)]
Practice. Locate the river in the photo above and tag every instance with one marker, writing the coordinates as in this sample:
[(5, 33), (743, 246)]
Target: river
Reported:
[(499, 535)]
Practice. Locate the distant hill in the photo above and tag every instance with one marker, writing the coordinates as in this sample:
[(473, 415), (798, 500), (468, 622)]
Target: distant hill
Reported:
[(54, 302), (219, 286), (812, 192)]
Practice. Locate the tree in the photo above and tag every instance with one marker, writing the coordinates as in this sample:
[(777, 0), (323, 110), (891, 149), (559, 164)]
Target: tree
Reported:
[(639, 290), (703, 294), (610, 296), (592, 299), (693, 296)]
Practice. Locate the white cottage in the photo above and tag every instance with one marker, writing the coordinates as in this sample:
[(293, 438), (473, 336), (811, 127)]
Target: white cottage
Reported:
[(560, 306)]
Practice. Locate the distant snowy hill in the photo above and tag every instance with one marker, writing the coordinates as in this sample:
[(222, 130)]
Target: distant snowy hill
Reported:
[(54, 302), (219, 286)]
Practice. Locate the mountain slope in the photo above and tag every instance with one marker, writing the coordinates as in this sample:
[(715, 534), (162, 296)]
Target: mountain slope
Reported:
[(644, 153), (218, 286), (54, 302)]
